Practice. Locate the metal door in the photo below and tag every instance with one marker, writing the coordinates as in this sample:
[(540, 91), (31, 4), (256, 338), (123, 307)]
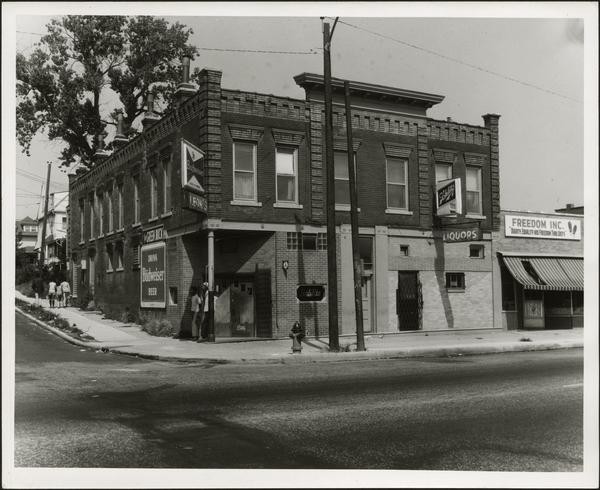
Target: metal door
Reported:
[(408, 301)]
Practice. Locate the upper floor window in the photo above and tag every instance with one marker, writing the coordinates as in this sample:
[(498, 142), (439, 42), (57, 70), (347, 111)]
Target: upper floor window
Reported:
[(81, 220), (286, 162), (109, 203), (166, 185), (30, 228), (443, 171), (136, 199), (120, 206), (64, 223), (397, 178), (342, 178), (244, 171), (474, 190), (153, 193)]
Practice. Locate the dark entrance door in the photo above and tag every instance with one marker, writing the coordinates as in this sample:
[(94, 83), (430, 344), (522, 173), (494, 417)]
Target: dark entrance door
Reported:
[(408, 300)]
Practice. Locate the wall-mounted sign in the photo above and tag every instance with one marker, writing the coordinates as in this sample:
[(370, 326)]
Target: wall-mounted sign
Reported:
[(192, 167), (194, 202), (448, 197), (465, 235), (527, 226), (312, 292), (285, 265), (153, 275), (154, 235)]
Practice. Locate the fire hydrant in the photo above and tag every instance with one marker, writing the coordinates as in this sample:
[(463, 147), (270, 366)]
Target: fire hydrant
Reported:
[(297, 334)]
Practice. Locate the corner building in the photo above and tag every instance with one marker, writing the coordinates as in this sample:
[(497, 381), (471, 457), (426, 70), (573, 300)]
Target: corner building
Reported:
[(263, 177)]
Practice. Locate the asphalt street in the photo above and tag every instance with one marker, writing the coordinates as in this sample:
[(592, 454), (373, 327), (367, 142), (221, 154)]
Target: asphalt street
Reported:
[(507, 412)]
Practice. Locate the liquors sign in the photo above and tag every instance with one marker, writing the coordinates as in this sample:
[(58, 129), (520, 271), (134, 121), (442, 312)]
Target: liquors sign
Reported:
[(153, 275), (527, 226)]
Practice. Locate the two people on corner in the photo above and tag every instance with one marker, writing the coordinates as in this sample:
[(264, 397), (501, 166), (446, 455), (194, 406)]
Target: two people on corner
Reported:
[(200, 312)]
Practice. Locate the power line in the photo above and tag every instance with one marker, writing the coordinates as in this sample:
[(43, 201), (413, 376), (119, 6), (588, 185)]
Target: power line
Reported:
[(456, 60), (262, 51), (37, 178)]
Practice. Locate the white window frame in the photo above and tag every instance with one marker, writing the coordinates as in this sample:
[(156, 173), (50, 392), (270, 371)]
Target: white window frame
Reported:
[(153, 193), (443, 164), (286, 149), (478, 212), (405, 184), (120, 206), (81, 221), (254, 199), (343, 206), (109, 197), (92, 203), (166, 185), (136, 199)]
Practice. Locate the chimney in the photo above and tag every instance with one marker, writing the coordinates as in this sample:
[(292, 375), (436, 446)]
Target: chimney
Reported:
[(185, 89), (448, 119), (101, 154), (120, 139), (569, 205), (150, 117)]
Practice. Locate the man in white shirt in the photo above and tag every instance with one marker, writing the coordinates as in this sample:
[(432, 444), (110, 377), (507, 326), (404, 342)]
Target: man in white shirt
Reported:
[(51, 292), (195, 308)]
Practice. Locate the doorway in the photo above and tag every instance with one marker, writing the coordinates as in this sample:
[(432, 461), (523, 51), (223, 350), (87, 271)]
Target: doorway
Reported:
[(408, 301), (234, 307), (367, 303)]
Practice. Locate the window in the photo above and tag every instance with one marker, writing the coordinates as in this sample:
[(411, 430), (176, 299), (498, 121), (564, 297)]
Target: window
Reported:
[(153, 194), (309, 241), (577, 300), (166, 181), (109, 198), (292, 240), (321, 241), (365, 248), (476, 251), (508, 290), (286, 163), (443, 171), (306, 241), (109, 257), (135, 255), (136, 199), (118, 256), (81, 220), (120, 206), (172, 296), (244, 170), (64, 223), (397, 195), (100, 203), (404, 250), (455, 280), (474, 190), (92, 203), (342, 179)]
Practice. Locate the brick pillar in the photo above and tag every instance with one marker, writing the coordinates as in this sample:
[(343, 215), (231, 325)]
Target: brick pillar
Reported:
[(425, 211), (317, 185), (210, 137), (491, 123)]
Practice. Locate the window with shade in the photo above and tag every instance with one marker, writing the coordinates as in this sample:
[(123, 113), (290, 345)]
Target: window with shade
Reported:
[(109, 202), (244, 171), (443, 171), (101, 213), (166, 181), (397, 178), (286, 162), (136, 199), (474, 191), (153, 194), (120, 206), (81, 220), (342, 178)]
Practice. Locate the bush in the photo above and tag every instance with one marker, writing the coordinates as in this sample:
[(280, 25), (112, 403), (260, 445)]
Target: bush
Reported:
[(25, 288), (26, 273), (162, 328)]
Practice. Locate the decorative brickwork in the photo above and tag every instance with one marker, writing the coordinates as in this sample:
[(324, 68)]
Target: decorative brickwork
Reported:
[(282, 137), (445, 156), (250, 133), (395, 150)]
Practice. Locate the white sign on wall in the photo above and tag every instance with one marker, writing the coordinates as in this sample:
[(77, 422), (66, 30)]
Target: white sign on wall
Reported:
[(527, 226), (448, 197)]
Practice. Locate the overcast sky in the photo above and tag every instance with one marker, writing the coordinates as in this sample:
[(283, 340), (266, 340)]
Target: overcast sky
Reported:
[(536, 85)]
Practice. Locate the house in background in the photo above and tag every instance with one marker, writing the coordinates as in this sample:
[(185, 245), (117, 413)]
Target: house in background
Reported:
[(56, 230), (27, 232)]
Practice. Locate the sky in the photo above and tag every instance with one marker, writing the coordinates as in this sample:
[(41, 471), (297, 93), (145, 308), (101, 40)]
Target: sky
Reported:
[(537, 84)]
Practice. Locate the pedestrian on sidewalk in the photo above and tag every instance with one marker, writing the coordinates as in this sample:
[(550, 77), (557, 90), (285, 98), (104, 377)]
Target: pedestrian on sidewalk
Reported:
[(204, 324), (195, 308), (51, 292), (66, 290), (59, 295), (38, 289)]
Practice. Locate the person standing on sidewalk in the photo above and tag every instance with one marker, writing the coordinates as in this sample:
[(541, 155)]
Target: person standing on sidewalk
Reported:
[(195, 308), (51, 292), (38, 289), (59, 294), (66, 290), (204, 324)]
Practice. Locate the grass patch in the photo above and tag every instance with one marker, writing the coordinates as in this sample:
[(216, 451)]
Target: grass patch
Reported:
[(162, 328)]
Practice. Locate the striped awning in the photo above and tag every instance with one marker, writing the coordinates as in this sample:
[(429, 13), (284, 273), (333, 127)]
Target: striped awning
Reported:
[(546, 273)]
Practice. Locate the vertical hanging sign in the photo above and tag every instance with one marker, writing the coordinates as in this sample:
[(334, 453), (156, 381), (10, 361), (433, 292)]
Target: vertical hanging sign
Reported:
[(192, 167), (153, 269), (448, 198)]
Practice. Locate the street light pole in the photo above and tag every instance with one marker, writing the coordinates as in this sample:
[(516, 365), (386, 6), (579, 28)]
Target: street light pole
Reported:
[(332, 294)]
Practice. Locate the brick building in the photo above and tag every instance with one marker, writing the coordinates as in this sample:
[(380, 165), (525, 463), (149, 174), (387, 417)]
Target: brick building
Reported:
[(538, 270), (236, 179)]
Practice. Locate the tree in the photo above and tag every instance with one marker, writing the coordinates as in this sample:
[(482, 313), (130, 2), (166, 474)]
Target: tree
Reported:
[(87, 69)]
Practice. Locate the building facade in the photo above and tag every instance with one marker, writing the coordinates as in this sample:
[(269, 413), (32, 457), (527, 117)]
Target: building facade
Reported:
[(539, 270), (229, 187), (56, 230), (27, 232)]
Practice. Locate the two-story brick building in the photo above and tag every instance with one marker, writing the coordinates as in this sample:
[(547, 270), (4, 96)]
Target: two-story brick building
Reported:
[(233, 182)]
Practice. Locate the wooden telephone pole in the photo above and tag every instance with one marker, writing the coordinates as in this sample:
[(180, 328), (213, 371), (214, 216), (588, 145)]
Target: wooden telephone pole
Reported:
[(332, 295), (45, 217)]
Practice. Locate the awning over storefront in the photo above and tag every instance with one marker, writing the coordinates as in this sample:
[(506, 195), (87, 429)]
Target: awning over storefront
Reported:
[(546, 273)]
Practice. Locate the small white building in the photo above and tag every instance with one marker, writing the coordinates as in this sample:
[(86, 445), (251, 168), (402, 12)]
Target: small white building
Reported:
[(56, 228)]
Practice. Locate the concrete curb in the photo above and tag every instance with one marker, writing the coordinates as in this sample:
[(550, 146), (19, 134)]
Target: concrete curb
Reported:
[(415, 352)]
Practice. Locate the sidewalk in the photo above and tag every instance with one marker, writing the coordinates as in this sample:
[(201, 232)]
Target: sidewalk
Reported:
[(118, 337)]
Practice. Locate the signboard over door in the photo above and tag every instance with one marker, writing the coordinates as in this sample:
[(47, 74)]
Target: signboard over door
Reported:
[(153, 275), (527, 226)]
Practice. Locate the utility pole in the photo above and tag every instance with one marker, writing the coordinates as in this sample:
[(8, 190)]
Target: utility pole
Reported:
[(334, 341), (358, 310), (45, 217)]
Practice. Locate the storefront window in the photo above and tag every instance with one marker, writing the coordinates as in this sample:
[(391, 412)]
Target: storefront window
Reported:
[(557, 303), (508, 291), (577, 302)]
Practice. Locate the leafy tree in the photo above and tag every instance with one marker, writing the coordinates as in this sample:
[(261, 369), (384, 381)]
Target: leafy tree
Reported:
[(89, 68)]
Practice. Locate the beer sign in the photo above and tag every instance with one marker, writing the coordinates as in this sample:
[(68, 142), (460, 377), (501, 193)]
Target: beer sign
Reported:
[(153, 275), (448, 197), (154, 234)]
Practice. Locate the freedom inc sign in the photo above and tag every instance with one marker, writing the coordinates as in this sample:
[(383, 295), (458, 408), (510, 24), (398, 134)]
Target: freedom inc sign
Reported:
[(527, 226)]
